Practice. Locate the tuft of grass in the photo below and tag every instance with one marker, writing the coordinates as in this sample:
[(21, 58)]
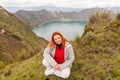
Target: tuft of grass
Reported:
[(115, 72), (2, 64)]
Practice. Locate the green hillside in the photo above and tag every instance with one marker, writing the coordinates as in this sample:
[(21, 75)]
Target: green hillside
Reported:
[(98, 50), (96, 55), (17, 41), (101, 36)]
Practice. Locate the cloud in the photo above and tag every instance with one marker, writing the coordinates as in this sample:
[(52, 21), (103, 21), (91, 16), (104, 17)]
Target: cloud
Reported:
[(61, 3)]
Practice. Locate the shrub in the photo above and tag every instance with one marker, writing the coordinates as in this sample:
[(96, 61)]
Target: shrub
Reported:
[(98, 18), (2, 65), (118, 16)]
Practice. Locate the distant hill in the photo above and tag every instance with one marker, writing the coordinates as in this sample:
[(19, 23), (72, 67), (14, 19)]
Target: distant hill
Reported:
[(114, 9), (35, 18), (17, 41), (54, 8), (47, 8)]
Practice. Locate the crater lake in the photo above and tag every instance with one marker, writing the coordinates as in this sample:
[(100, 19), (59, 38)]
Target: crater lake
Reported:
[(69, 29)]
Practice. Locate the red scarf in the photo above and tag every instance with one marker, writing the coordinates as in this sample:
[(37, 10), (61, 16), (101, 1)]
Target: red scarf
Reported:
[(59, 55)]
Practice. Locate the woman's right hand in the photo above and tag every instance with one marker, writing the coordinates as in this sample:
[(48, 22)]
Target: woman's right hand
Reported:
[(57, 66)]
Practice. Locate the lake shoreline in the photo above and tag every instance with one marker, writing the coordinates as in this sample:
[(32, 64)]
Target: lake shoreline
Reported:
[(70, 29)]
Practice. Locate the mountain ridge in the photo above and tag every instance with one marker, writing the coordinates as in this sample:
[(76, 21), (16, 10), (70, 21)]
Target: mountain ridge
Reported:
[(54, 8), (35, 18)]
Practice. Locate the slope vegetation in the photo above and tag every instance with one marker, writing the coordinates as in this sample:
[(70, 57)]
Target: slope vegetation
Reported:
[(17, 40)]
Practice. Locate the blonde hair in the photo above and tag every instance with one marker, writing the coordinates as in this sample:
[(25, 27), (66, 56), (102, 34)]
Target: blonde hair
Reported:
[(52, 42)]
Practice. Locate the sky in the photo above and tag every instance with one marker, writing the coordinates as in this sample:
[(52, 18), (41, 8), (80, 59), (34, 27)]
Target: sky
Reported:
[(61, 3)]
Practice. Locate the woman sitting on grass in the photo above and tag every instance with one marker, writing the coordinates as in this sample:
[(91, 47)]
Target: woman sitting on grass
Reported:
[(58, 56)]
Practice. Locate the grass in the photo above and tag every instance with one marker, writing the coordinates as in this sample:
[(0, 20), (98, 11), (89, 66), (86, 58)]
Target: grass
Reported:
[(30, 69), (85, 67)]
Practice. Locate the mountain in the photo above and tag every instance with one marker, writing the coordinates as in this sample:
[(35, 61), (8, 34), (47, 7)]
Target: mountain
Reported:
[(35, 18), (47, 8), (97, 55), (17, 40), (114, 9), (54, 8)]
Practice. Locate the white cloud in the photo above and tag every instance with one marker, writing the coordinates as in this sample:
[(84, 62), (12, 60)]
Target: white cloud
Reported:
[(61, 3)]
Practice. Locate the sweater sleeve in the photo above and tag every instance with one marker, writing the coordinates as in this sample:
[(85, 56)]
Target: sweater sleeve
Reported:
[(48, 57), (70, 58)]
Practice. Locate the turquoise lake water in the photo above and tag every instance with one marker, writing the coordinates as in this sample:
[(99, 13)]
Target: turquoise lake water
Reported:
[(69, 29)]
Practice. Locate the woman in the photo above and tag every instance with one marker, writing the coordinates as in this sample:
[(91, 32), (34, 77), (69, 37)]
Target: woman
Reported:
[(58, 56)]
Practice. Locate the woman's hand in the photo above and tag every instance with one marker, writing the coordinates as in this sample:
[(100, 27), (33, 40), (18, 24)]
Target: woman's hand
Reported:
[(57, 66)]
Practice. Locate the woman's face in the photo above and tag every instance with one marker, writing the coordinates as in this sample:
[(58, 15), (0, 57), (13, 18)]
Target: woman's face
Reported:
[(57, 39)]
